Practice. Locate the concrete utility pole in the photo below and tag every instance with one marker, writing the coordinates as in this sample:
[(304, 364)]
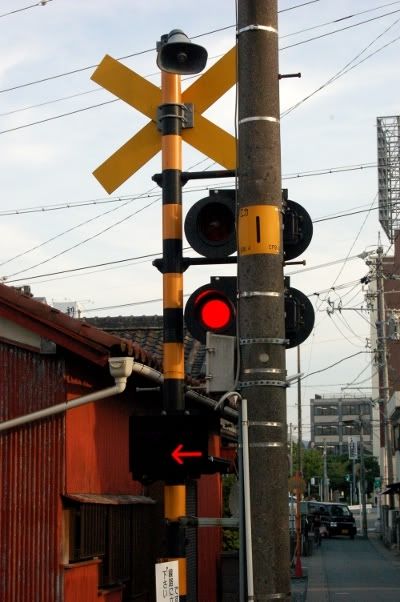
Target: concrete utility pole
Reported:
[(261, 294), (384, 393), (364, 525)]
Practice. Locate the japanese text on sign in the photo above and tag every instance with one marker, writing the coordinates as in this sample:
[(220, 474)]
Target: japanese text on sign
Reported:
[(167, 581)]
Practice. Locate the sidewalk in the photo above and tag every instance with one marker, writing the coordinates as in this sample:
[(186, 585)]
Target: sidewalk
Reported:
[(317, 587)]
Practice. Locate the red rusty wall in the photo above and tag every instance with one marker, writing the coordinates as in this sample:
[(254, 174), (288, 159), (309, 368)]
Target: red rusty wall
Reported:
[(31, 479), (97, 448), (97, 434), (209, 504), (81, 582), (30, 512), (28, 381)]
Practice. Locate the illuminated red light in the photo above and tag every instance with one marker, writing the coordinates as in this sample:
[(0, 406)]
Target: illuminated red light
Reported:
[(216, 313), (178, 454)]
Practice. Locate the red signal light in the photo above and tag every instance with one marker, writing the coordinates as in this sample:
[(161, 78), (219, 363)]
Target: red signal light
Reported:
[(216, 313), (212, 308)]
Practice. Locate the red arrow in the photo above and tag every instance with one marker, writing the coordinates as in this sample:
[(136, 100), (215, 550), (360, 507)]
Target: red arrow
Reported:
[(177, 454)]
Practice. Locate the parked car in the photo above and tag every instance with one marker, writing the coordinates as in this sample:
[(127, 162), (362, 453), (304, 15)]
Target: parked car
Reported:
[(336, 519), (339, 520), (309, 508)]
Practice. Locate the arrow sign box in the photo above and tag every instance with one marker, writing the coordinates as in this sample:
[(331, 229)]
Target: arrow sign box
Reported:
[(171, 447)]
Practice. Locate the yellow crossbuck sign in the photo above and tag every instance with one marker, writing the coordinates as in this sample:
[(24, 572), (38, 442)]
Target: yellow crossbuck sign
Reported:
[(146, 97)]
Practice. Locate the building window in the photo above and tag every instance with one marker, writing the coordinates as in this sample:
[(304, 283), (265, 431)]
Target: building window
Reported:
[(325, 410), (351, 429), (356, 409), (119, 536), (325, 429)]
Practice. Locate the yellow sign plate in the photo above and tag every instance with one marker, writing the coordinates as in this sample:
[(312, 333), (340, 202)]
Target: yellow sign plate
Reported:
[(259, 230)]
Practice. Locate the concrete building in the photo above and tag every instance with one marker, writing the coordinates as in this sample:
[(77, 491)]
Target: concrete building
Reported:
[(335, 419)]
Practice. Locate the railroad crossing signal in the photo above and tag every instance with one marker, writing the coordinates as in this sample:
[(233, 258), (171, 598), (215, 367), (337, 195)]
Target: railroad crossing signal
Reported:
[(171, 447), (210, 229), (134, 89)]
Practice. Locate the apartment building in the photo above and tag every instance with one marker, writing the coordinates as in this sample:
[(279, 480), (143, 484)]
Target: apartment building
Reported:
[(335, 419)]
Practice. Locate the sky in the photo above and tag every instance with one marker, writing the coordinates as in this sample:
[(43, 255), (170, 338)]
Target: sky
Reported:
[(55, 216)]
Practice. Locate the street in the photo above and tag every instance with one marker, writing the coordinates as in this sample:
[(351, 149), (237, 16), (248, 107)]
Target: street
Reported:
[(353, 571)]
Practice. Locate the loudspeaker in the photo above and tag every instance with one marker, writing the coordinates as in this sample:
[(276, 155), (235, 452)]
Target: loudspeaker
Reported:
[(177, 54)]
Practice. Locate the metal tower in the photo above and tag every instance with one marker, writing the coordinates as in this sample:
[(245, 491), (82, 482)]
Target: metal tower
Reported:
[(388, 133)]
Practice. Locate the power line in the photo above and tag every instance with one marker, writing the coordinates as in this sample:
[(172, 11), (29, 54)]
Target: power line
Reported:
[(20, 10), (70, 96), (344, 70), (285, 10), (158, 197), (333, 365), (121, 58), (222, 184), (335, 31), (339, 19), (127, 56), (76, 111), (78, 244), (86, 267)]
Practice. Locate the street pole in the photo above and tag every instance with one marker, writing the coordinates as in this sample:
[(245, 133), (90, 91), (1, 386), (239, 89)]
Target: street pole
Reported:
[(325, 489), (299, 428), (364, 525), (384, 392), (261, 294), (299, 473)]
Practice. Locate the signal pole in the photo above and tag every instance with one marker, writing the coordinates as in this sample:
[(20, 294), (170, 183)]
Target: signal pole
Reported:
[(261, 294), (174, 57)]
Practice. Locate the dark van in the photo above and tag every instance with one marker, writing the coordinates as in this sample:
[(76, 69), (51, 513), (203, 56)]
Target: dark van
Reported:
[(309, 508), (340, 520)]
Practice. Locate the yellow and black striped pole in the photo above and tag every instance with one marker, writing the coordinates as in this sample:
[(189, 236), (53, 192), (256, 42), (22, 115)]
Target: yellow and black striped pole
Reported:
[(171, 114)]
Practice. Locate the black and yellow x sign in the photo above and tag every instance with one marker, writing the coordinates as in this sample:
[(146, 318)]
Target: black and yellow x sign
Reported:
[(146, 97)]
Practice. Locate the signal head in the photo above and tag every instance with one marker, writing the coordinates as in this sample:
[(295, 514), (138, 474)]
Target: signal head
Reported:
[(212, 308), (210, 225)]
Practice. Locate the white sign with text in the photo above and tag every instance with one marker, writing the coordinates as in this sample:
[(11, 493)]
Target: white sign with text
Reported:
[(167, 581)]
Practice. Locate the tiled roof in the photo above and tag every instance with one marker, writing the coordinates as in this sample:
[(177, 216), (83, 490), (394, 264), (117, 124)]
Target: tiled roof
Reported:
[(147, 332), (77, 336)]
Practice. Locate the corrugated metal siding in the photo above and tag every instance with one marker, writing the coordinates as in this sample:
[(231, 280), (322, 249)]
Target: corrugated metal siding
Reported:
[(209, 501), (30, 515), (31, 480), (28, 381)]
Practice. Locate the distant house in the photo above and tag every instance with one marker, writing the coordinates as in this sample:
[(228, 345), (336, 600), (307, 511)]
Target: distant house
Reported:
[(74, 525)]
